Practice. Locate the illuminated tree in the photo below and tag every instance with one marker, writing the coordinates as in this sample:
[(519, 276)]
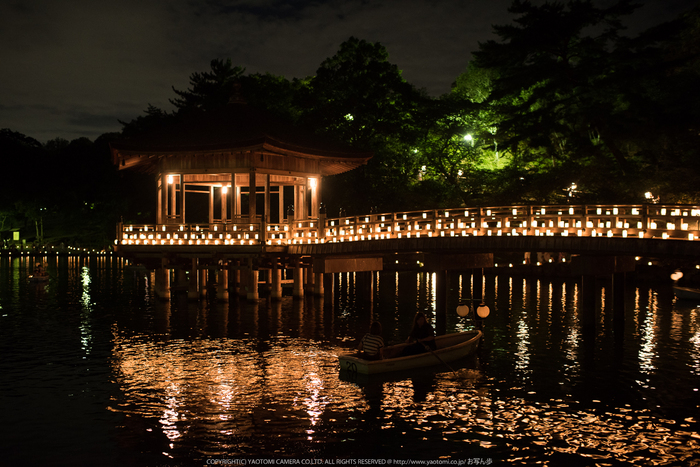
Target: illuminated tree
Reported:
[(575, 95), (359, 97)]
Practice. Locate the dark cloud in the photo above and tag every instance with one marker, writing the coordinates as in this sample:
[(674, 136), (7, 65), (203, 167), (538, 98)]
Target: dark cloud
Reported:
[(74, 67)]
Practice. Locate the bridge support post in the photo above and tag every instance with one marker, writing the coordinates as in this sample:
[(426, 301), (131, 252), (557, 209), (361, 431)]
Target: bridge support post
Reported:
[(477, 284), (309, 280), (193, 282), (235, 280), (619, 280), (252, 276), (163, 281), (298, 291), (203, 273), (222, 283), (276, 280), (318, 283), (268, 281), (441, 302)]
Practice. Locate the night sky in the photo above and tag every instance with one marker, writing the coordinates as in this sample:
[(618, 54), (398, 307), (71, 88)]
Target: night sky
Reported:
[(73, 68)]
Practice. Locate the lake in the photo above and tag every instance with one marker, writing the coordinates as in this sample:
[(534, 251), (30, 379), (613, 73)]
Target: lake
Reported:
[(96, 371)]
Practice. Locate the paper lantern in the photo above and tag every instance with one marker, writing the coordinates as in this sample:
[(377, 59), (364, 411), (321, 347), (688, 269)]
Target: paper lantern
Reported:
[(676, 275), (463, 310), (482, 311)]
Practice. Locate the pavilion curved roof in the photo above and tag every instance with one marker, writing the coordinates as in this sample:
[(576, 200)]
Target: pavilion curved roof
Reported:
[(235, 128)]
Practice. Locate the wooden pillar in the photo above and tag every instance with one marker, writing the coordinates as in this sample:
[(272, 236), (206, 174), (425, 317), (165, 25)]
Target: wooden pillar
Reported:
[(298, 291), (266, 216), (315, 198), (224, 195), (280, 196), (252, 195), (276, 280), (309, 280), (193, 283), (162, 199), (440, 302), (222, 283), (182, 198), (318, 284), (252, 281), (211, 204), (619, 280), (300, 211), (163, 281), (173, 198), (477, 284), (237, 193), (235, 281), (203, 282)]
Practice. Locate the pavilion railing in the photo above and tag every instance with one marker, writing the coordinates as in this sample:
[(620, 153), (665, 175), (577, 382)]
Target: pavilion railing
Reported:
[(679, 222)]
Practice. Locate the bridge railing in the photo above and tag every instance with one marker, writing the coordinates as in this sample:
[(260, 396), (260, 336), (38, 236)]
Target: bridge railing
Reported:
[(189, 234), (639, 221), (680, 222)]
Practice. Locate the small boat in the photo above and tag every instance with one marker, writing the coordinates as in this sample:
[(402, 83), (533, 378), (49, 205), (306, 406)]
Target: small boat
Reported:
[(38, 278), (450, 347), (686, 293)]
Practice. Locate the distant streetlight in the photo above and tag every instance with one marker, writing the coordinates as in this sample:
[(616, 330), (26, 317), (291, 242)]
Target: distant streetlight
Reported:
[(468, 137)]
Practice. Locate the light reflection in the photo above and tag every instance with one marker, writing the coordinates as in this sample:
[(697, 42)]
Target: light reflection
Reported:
[(291, 388), (647, 348), (523, 355), (695, 340), (86, 302)]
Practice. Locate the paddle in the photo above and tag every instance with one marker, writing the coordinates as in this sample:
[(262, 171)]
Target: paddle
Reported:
[(437, 356)]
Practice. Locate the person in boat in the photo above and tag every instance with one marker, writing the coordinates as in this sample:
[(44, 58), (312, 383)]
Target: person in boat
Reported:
[(38, 269), (372, 345), (421, 338)]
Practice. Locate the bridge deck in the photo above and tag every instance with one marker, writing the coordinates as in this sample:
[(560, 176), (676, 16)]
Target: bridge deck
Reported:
[(649, 230)]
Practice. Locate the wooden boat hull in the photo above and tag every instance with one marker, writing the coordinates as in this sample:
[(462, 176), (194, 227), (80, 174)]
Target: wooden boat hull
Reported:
[(41, 278), (450, 347), (686, 293)]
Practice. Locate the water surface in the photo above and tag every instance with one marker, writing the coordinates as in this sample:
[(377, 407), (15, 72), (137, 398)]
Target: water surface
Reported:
[(96, 371)]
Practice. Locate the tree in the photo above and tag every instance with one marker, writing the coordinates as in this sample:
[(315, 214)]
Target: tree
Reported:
[(359, 97), (209, 89), (560, 77)]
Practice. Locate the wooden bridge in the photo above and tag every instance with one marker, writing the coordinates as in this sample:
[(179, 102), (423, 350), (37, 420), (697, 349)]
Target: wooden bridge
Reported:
[(603, 239), (645, 229), (239, 192)]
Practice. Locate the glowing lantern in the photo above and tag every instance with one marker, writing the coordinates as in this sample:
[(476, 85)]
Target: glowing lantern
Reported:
[(482, 311), (463, 310)]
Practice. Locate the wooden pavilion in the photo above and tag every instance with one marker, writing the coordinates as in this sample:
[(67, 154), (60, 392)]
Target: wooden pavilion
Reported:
[(232, 181)]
